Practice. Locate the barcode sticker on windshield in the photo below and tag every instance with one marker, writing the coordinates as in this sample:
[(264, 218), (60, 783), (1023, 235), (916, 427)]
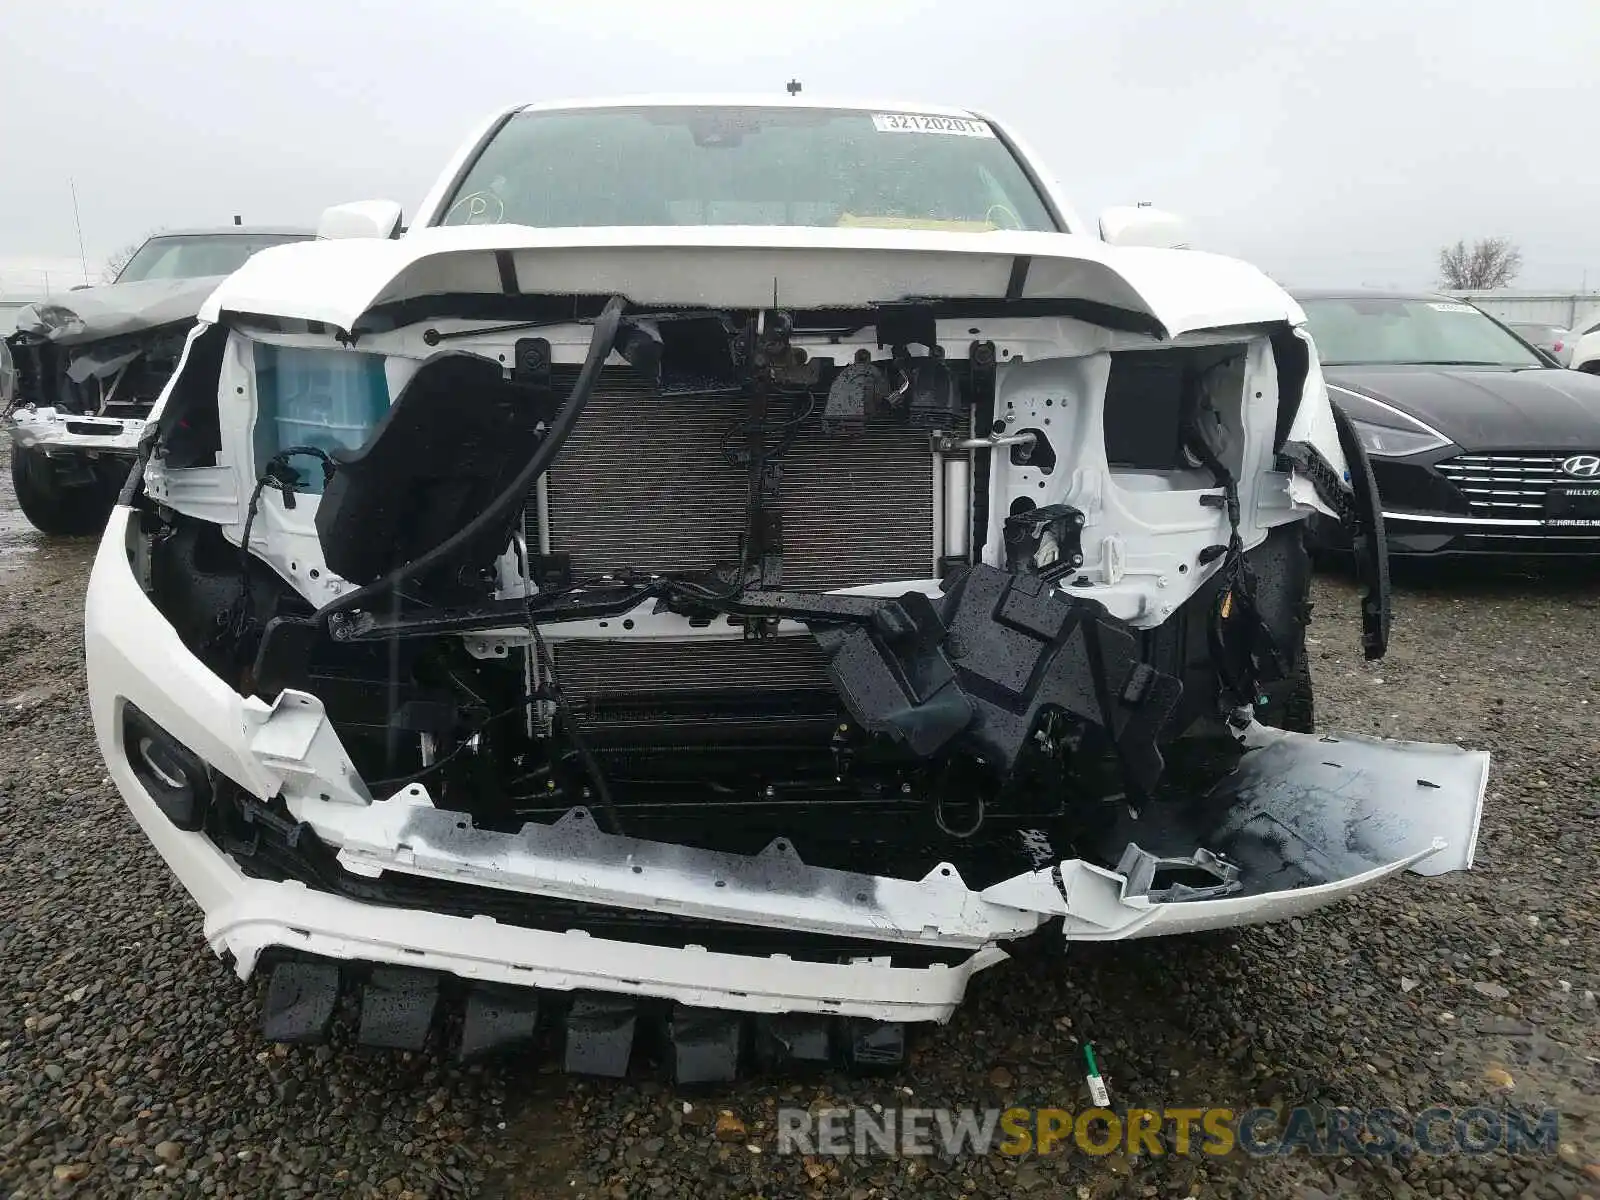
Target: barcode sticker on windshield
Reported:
[(922, 123), (1452, 308)]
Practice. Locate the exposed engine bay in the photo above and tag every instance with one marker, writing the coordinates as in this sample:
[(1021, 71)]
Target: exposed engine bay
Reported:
[(76, 411), (775, 660), (885, 730), (120, 376)]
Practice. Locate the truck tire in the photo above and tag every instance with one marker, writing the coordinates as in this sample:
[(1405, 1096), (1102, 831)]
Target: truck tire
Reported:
[(61, 510)]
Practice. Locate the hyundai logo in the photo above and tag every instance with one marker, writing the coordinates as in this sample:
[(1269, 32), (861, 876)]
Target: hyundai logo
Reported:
[(1583, 466)]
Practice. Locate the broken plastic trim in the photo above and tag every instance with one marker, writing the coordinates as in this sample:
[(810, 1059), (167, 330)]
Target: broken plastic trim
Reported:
[(1369, 541), (1144, 871), (1301, 822), (1361, 513)]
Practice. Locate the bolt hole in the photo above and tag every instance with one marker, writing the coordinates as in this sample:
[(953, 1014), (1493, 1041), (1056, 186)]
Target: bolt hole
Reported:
[(945, 871), (628, 624), (461, 824), (1183, 568), (324, 796), (316, 574), (722, 883), (638, 870), (1048, 403), (605, 624), (861, 897), (294, 566)]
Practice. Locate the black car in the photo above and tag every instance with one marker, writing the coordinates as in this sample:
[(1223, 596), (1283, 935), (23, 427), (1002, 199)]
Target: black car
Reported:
[(1480, 443), (79, 373)]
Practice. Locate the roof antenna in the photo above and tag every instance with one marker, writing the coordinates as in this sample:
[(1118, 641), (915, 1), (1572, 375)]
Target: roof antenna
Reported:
[(237, 219), (794, 87)]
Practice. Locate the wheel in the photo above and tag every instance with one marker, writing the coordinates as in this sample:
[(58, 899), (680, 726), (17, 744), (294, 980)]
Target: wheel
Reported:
[(54, 506), (1291, 703)]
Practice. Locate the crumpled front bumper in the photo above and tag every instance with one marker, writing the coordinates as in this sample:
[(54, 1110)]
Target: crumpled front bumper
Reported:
[(1305, 820), (56, 431)]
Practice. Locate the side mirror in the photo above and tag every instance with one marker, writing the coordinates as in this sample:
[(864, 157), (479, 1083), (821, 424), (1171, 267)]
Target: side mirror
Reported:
[(360, 219), (1141, 225)]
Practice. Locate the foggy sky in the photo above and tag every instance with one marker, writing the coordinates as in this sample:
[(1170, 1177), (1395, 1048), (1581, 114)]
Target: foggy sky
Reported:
[(1329, 143)]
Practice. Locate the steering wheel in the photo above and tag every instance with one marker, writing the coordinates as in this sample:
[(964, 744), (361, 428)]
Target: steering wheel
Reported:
[(477, 208)]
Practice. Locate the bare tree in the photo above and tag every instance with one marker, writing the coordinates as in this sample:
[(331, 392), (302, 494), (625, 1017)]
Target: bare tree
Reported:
[(119, 259), (1487, 263)]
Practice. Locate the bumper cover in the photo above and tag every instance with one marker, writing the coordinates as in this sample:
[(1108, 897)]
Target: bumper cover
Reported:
[(1303, 822), (54, 430)]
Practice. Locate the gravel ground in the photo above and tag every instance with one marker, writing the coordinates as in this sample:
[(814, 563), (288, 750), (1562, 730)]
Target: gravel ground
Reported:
[(129, 1061)]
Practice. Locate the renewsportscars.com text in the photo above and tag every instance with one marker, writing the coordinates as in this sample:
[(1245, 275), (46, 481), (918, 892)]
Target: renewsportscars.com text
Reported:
[(1260, 1132)]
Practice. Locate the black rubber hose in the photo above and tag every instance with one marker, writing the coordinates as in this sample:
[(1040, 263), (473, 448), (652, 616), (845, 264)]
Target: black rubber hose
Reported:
[(515, 493)]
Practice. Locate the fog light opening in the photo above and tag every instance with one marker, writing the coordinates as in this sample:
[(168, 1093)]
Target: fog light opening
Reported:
[(169, 771)]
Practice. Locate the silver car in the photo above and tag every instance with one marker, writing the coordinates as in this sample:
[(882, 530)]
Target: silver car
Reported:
[(1552, 339)]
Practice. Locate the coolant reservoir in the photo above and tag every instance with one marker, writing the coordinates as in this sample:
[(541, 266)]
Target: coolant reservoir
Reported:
[(324, 399)]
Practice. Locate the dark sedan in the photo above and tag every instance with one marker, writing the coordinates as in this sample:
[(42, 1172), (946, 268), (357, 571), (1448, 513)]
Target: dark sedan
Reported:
[(1480, 443)]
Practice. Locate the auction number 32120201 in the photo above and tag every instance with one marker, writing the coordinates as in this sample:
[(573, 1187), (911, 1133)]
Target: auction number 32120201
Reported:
[(924, 123)]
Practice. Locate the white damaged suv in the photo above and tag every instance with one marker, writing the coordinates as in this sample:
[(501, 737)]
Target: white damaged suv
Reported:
[(738, 564)]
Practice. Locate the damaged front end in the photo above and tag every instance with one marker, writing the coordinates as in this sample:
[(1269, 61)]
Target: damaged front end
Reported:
[(87, 372), (762, 664), (79, 375), (90, 368)]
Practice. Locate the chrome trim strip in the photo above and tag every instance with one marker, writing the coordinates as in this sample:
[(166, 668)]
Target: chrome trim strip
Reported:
[(1433, 519), (1389, 408)]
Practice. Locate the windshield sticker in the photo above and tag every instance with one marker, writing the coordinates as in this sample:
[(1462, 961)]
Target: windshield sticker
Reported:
[(919, 123), (1452, 308)]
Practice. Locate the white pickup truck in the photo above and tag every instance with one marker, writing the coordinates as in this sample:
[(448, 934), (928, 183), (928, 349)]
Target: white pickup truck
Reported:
[(737, 563)]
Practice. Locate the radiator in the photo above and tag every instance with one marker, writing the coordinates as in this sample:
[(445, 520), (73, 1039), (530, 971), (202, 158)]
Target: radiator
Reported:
[(593, 671), (667, 699), (643, 482)]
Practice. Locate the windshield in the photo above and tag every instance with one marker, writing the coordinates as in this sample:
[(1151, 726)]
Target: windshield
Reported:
[(1362, 330), (747, 166), (181, 256)]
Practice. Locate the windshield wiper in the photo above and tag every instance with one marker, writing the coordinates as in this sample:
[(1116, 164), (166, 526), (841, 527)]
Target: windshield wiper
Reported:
[(433, 336)]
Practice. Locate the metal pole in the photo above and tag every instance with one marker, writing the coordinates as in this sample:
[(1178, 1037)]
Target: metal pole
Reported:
[(83, 259)]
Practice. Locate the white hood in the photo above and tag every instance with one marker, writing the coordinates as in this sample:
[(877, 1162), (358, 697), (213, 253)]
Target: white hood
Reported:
[(337, 282)]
